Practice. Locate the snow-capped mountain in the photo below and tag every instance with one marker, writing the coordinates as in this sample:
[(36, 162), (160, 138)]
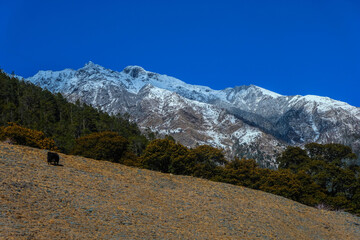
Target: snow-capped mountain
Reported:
[(245, 121)]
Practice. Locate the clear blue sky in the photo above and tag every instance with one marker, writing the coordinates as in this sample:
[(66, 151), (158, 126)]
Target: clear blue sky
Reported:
[(290, 47)]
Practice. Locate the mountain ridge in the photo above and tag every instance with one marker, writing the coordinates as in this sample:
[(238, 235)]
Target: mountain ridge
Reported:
[(282, 120)]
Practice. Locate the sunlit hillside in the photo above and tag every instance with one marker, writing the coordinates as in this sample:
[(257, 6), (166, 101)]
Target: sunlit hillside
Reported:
[(89, 199)]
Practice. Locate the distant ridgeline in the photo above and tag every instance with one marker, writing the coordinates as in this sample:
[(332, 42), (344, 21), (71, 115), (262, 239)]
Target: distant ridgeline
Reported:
[(326, 176), (30, 106)]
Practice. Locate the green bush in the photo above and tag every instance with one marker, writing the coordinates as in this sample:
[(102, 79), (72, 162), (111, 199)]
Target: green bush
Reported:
[(166, 156), (102, 146)]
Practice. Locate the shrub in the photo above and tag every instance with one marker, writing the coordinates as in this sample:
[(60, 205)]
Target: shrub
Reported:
[(206, 162), (166, 156), (28, 137), (244, 172), (102, 146)]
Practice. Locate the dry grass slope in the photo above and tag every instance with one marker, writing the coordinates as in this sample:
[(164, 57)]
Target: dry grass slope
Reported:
[(88, 199)]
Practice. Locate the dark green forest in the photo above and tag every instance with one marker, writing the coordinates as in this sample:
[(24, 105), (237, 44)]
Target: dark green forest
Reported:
[(35, 108), (322, 175)]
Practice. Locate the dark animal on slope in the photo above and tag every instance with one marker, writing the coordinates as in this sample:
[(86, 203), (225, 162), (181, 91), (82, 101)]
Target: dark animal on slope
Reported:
[(53, 158)]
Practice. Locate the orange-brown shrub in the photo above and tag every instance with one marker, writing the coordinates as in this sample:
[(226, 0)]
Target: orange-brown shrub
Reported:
[(28, 137)]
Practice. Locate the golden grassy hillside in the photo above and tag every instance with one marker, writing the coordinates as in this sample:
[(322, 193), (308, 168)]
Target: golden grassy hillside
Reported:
[(89, 199)]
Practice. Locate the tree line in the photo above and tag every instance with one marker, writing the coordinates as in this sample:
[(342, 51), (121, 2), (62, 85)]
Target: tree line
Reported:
[(325, 175), (319, 175)]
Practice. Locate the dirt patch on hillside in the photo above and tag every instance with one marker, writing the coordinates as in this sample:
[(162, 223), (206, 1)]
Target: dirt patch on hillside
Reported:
[(89, 199)]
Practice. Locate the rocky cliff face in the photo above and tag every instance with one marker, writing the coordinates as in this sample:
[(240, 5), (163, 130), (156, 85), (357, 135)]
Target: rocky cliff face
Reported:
[(244, 121)]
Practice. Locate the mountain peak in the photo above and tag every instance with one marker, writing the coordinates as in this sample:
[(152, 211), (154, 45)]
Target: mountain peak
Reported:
[(265, 91), (91, 65), (134, 71)]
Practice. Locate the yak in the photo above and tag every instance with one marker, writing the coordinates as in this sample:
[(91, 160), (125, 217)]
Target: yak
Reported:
[(53, 158)]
